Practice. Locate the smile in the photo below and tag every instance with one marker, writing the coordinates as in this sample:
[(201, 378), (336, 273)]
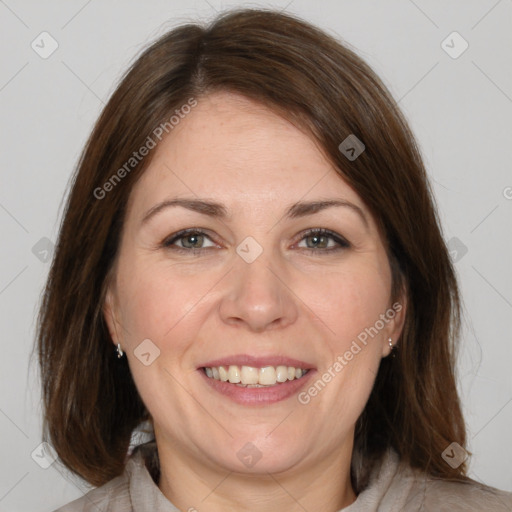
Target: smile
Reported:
[(249, 376), (246, 388)]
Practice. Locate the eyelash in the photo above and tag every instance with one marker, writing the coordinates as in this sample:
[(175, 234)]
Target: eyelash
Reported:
[(319, 232)]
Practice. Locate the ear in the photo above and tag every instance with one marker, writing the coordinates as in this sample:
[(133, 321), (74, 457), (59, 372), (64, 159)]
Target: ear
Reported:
[(395, 314), (110, 316)]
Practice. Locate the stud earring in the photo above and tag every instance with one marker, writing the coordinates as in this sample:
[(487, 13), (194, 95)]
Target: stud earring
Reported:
[(119, 351)]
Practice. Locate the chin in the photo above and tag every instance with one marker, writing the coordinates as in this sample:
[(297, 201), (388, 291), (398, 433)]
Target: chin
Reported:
[(260, 455)]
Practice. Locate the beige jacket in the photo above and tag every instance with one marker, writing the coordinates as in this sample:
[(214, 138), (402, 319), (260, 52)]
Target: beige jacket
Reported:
[(391, 488)]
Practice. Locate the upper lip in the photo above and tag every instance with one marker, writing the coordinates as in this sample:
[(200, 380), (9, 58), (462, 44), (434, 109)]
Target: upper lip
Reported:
[(257, 361)]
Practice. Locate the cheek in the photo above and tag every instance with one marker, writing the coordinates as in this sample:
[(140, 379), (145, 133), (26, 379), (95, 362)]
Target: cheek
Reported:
[(166, 307), (350, 304), (149, 299), (162, 303), (351, 300)]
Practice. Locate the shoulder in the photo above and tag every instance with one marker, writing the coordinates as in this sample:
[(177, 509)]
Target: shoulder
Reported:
[(394, 485), (431, 494), (114, 496)]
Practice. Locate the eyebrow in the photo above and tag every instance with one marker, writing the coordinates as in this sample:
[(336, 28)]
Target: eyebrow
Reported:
[(218, 210)]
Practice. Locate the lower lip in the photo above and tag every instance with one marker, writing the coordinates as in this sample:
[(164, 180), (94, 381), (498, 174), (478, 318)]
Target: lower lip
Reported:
[(258, 396)]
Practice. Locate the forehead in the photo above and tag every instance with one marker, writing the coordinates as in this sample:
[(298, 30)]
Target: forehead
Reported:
[(238, 151)]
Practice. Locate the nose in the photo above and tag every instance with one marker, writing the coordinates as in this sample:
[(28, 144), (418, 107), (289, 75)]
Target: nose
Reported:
[(258, 296)]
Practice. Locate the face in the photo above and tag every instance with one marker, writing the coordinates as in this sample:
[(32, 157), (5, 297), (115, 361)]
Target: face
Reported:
[(254, 284)]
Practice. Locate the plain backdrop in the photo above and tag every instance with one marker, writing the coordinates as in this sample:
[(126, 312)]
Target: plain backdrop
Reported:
[(459, 104)]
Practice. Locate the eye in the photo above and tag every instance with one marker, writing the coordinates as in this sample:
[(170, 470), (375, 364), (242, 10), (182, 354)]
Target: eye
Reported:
[(323, 240), (318, 240), (189, 240)]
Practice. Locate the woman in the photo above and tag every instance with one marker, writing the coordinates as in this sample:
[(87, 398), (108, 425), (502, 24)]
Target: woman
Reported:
[(250, 261)]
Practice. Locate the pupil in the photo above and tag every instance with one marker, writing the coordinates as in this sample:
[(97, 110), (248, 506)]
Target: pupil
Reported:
[(193, 238), (317, 240)]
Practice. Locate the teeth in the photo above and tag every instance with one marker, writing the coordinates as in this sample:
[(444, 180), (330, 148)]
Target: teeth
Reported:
[(233, 374), (248, 376), (223, 373), (267, 376), (282, 373)]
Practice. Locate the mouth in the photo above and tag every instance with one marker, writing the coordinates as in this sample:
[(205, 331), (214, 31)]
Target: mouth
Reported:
[(256, 384)]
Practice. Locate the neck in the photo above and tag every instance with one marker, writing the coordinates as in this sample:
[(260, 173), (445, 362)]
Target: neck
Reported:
[(194, 485)]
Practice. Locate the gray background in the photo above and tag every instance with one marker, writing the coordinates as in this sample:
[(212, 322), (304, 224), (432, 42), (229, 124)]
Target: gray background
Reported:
[(459, 108)]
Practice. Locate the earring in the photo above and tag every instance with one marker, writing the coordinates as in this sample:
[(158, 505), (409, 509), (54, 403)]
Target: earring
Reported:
[(391, 346), (119, 351)]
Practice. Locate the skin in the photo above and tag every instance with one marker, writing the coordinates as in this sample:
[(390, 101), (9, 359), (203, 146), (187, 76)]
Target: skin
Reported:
[(199, 306)]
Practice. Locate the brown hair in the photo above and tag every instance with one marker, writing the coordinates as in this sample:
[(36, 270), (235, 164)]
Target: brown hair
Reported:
[(91, 404)]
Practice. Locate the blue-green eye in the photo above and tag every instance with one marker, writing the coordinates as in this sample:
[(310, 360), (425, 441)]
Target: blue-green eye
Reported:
[(317, 240), (191, 239), (323, 240)]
